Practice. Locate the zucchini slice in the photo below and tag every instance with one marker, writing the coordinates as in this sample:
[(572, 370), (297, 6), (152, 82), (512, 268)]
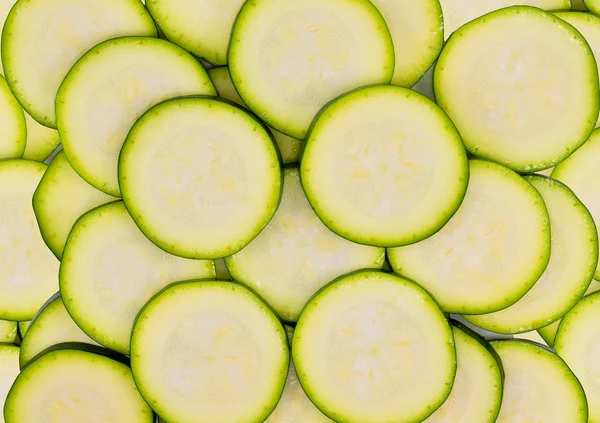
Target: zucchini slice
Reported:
[(521, 85), (580, 173), (372, 347), (9, 370), (41, 140), (589, 26), (491, 252), (23, 327), (72, 386), (200, 177), (290, 148), (201, 27), (593, 6), (8, 332), (573, 260), (417, 30), (459, 12), (5, 6), (207, 351), (115, 83), (538, 386), (578, 343), (288, 58), (296, 255), (477, 391), (110, 270), (51, 326), (60, 199), (384, 166), (29, 270), (41, 40), (13, 131)]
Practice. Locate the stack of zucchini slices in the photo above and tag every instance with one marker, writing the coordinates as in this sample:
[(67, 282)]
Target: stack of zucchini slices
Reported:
[(299, 211)]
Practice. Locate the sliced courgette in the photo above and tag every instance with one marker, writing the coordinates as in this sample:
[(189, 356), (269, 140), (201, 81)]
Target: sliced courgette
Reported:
[(521, 85), (5, 6), (41, 40), (373, 347), (9, 370), (23, 328), (538, 386), (578, 343), (384, 166), (41, 140), (593, 6), (580, 173), (61, 197), (296, 255), (110, 270), (288, 58), (72, 386), (200, 177), (8, 332), (289, 147), (29, 270), (201, 27), (573, 260), (207, 351), (491, 252), (108, 89), (13, 130), (51, 326)]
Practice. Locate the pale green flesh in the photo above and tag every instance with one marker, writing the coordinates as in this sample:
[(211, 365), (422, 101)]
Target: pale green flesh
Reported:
[(296, 255), (9, 370), (8, 332), (41, 140), (592, 5), (13, 130)]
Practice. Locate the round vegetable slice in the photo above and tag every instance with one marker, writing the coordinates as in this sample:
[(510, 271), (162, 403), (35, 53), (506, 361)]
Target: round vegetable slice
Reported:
[(23, 327), (384, 166), (13, 132), (521, 85), (373, 347), (491, 252), (290, 148), (477, 391), (592, 5), (417, 30), (60, 199), (115, 83), (209, 351), (538, 386), (41, 140), (29, 270), (200, 177), (578, 343), (288, 58), (201, 27), (41, 40), (459, 12), (110, 270), (580, 173), (51, 326), (573, 260), (8, 332), (5, 6), (9, 370), (589, 26), (75, 386), (296, 255)]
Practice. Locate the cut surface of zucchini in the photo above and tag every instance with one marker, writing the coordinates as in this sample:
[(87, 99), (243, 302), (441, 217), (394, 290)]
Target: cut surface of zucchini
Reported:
[(200, 177), (201, 27), (108, 89), (477, 391), (578, 343), (538, 385), (61, 198), (417, 30), (209, 351), (490, 253), (29, 270), (289, 148), (580, 173), (71, 386), (9, 370), (459, 12), (384, 166), (23, 327), (13, 130), (41, 41), (373, 347), (521, 85), (41, 140), (296, 255), (109, 270), (593, 6), (5, 6), (288, 58), (8, 332), (573, 260), (51, 326)]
